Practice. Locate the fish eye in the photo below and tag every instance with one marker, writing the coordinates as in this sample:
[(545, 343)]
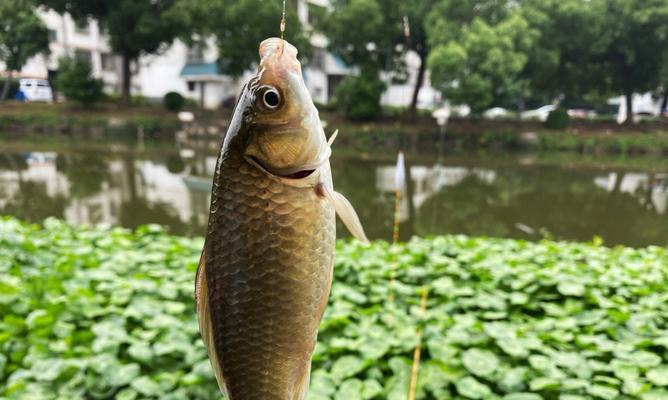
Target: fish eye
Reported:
[(271, 98)]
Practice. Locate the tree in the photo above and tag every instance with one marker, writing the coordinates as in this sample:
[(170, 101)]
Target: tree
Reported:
[(636, 54), (664, 98), (358, 97), (22, 35), (369, 35), (416, 13), (597, 47), (241, 25), (479, 61), (364, 33), (569, 35), (76, 82), (134, 27)]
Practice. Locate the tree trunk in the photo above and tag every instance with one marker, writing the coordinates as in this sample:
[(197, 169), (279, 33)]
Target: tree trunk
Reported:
[(5, 88), (664, 103), (629, 107), (418, 83), (126, 79)]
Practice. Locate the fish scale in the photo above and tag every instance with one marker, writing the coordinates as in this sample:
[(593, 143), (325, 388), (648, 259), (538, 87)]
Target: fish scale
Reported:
[(268, 270)]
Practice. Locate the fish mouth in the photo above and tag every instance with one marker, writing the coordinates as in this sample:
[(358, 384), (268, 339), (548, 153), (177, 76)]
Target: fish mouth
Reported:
[(288, 174), (294, 173)]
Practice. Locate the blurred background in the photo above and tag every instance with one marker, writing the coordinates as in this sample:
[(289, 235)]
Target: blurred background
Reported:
[(520, 119)]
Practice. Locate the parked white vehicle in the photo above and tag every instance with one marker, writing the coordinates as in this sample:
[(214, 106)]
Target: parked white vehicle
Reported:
[(496, 113), (539, 113), (36, 90)]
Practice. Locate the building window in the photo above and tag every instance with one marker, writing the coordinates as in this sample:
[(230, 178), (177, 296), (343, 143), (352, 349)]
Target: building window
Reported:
[(53, 35), (108, 62), (84, 55), (82, 26), (195, 54), (191, 86)]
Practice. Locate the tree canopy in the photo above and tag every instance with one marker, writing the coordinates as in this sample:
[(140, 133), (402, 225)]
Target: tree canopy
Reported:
[(134, 27), (481, 65), (22, 35), (479, 49), (241, 25), (488, 52)]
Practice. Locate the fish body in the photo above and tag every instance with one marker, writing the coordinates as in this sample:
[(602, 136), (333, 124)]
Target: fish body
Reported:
[(266, 268)]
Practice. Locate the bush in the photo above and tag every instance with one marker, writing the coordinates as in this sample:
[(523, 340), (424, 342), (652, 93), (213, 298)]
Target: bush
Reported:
[(139, 100), (358, 97), (76, 82), (173, 101), (557, 119), (103, 314)]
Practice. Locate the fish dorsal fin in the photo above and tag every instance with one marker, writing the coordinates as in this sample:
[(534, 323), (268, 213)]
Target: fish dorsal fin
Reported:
[(204, 317), (347, 213)]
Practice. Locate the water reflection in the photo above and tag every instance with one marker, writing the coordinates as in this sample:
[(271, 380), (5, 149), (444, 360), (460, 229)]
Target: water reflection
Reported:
[(480, 198)]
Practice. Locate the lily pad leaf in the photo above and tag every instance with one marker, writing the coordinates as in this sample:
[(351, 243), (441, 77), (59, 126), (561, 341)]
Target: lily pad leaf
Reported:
[(480, 362)]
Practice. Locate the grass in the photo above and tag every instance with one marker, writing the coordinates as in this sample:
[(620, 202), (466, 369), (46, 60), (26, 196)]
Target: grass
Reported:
[(109, 314)]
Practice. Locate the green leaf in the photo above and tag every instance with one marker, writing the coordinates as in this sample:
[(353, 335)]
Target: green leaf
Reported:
[(603, 392), (48, 370), (10, 288), (480, 362), (349, 389), (322, 384), (522, 396), (471, 388), (127, 394), (543, 383), (371, 389), (513, 347), (655, 395), (644, 359), (571, 288), (124, 375), (658, 376), (141, 352), (513, 380), (39, 318), (146, 386), (346, 367)]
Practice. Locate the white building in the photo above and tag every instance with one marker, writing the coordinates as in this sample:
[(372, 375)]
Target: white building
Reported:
[(194, 71), (69, 38)]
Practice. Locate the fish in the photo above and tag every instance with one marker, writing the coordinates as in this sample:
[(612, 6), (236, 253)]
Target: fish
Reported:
[(266, 268)]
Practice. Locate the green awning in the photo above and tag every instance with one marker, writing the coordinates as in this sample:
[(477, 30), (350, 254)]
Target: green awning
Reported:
[(205, 69)]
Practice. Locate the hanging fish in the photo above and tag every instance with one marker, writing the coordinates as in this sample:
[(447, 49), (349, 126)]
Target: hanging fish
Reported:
[(266, 268)]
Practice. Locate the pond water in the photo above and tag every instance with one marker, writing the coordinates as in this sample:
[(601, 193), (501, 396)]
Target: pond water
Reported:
[(521, 196)]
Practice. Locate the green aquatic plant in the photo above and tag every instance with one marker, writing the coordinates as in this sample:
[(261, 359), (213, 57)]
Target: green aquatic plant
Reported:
[(109, 314)]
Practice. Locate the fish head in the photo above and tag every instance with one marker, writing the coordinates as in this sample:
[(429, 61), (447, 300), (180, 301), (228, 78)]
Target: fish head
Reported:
[(285, 135)]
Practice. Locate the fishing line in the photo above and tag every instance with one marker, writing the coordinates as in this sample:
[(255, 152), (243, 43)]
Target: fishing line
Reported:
[(283, 28)]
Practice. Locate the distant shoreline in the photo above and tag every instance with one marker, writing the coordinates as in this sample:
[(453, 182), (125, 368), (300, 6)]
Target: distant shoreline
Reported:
[(21, 121)]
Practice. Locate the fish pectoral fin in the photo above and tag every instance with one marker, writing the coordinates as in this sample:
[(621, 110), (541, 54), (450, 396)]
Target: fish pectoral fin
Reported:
[(204, 318), (347, 214)]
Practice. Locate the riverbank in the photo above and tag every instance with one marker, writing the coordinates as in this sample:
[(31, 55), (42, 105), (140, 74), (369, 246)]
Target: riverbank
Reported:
[(110, 314), (106, 121), (60, 121)]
